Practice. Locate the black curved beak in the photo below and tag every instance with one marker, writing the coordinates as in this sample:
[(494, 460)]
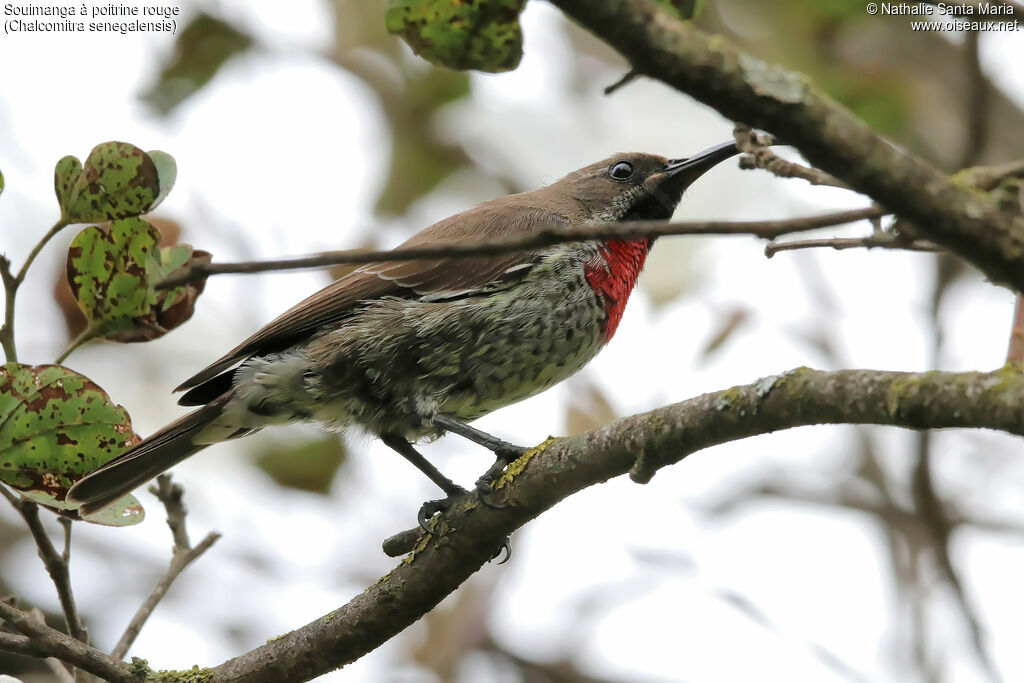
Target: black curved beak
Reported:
[(694, 167)]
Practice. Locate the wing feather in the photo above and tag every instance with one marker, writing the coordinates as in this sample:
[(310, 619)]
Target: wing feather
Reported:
[(424, 277)]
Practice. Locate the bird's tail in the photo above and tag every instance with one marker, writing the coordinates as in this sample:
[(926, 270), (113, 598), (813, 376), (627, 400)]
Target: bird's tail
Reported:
[(155, 455)]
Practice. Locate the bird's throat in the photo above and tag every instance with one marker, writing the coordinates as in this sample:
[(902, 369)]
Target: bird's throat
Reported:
[(613, 276)]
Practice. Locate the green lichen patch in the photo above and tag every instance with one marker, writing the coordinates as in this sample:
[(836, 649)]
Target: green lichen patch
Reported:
[(461, 34), (113, 271), (117, 180), (56, 426), (516, 467)]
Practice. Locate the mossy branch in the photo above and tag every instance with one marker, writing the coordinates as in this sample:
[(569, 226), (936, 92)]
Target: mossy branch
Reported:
[(469, 534), (744, 88)]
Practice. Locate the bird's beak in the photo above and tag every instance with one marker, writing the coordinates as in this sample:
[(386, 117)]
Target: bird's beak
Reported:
[(688, 170)]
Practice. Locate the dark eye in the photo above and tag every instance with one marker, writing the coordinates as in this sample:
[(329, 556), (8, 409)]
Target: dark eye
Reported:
[(621, 170)]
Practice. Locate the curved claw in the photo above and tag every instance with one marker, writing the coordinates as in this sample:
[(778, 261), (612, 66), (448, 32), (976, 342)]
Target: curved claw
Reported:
[(507, 547), (428, 510)]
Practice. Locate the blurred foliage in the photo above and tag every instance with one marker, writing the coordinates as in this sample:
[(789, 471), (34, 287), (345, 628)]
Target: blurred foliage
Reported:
[(588, 407), (484, 34), (915, 88), (56, 426), (117, 180), (686, 9), (1, 182), (307, 466), (729, 322), (203, 46), (113, 271)]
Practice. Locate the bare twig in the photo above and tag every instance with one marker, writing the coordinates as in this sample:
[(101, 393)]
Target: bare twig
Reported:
[(1015, 353), (977, 101), (12, 282), (628, 78), (56, 564), (884, 240), (628, 230), (757, 154), (170, 495), (48, 642)]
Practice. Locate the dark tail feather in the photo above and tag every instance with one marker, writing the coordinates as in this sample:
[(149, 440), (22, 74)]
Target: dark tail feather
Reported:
[(155, 455)]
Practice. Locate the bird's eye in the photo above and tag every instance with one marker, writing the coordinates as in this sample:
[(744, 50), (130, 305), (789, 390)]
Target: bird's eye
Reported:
[(622, 170)]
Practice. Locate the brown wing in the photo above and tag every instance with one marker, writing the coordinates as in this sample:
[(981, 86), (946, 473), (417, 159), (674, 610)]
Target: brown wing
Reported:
[(398, 278)]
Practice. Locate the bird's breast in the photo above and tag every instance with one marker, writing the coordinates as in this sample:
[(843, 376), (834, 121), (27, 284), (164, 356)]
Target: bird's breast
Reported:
[(613, 275)]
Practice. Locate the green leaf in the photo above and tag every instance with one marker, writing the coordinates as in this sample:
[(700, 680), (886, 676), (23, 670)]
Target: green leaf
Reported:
[(55, 427), (108, 271), (118, 180), (461, 34), (166, 173), (1, 182), (113, 271), (65, 175), (203, 46)]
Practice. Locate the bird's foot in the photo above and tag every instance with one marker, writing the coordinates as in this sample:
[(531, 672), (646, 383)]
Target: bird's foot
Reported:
[(507, 454), (435, 507)]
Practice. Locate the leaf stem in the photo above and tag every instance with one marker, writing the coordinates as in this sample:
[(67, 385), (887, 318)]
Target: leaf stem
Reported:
[(88, 334)]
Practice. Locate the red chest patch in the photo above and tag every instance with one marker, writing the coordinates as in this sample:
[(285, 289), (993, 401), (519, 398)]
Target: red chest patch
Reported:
[(612, 280)]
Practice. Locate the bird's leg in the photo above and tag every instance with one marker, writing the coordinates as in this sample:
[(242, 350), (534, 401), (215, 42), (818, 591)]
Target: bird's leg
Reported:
[(451, 489), (433, 507), (504, 452)]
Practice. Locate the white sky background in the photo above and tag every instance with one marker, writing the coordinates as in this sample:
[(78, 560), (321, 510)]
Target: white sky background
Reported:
[(284, 154)]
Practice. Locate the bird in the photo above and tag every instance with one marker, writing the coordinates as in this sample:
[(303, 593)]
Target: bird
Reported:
[(409, 350)]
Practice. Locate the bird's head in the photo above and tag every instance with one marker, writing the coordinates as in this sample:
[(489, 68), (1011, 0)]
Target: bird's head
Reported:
[(638, 186)]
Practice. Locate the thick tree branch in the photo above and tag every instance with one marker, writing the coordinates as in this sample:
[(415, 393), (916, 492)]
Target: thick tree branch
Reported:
[(744, 88), (48, 642), (56, 564), (467, 536), (543, 238)]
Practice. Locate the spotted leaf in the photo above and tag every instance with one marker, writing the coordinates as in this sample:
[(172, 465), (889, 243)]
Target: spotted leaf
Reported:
[(118, 180), (461, 34), (113, 271), (55, 427)]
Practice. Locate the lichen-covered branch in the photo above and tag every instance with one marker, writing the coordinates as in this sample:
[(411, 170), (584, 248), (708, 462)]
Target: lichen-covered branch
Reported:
[(468, 535), (744, 88), (47, 642)]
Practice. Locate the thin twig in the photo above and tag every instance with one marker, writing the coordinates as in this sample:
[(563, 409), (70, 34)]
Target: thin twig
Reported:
[(87, 335), (12, 282), (49, 642), (884, 240), (7, 328), (628, 78), (1015, 353), (977, 102), (170, 495), (627, 230), (755, 146), (56, 565)]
